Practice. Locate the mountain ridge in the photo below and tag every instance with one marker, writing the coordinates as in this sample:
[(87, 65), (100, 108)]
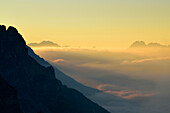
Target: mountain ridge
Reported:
[(44, 44), (142, 44)]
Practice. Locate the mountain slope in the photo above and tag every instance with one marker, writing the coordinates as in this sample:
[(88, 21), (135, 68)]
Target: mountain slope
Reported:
[(39, 90), (66, 80), (40, 60)]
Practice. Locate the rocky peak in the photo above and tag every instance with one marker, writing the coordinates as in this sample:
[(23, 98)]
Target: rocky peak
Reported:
[(11, 42)]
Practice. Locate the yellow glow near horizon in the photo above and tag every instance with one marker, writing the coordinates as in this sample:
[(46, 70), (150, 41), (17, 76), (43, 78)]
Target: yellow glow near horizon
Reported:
[(100, 23)]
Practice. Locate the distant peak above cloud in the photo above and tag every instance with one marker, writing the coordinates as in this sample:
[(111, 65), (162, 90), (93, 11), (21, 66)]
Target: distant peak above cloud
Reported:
[(138, 44), (156, 45), (44, 44), (142, 44)]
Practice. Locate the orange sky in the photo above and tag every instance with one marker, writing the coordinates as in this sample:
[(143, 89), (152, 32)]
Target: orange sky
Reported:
[(100, 23)]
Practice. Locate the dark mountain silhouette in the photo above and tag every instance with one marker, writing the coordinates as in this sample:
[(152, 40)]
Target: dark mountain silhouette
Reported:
[(44, 44), (38, 89), (142, 44)]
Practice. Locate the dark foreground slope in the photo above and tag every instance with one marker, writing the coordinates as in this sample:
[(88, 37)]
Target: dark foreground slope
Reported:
[(8, 98), (38, 89)]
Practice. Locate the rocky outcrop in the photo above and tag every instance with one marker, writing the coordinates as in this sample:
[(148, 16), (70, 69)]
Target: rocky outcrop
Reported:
[(38, 89)]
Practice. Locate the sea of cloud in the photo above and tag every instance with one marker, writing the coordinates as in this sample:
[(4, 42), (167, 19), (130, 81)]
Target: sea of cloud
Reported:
[(136, 81)]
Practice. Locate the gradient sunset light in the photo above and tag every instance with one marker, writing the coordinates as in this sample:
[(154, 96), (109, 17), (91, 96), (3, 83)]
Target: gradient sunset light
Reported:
[(100, 23)]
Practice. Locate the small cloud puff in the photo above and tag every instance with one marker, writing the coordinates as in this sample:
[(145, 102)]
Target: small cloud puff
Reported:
[(145, 60), (123, 92), (58, 60)]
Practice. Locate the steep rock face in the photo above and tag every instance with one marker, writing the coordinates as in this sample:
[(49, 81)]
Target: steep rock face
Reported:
[(8, 98), (39, 90)]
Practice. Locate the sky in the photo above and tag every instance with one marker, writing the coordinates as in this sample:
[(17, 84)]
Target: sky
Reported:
[(100, 23)]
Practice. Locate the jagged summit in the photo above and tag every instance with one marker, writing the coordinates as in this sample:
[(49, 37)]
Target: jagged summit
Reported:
[(11, 42), (2, 28)]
